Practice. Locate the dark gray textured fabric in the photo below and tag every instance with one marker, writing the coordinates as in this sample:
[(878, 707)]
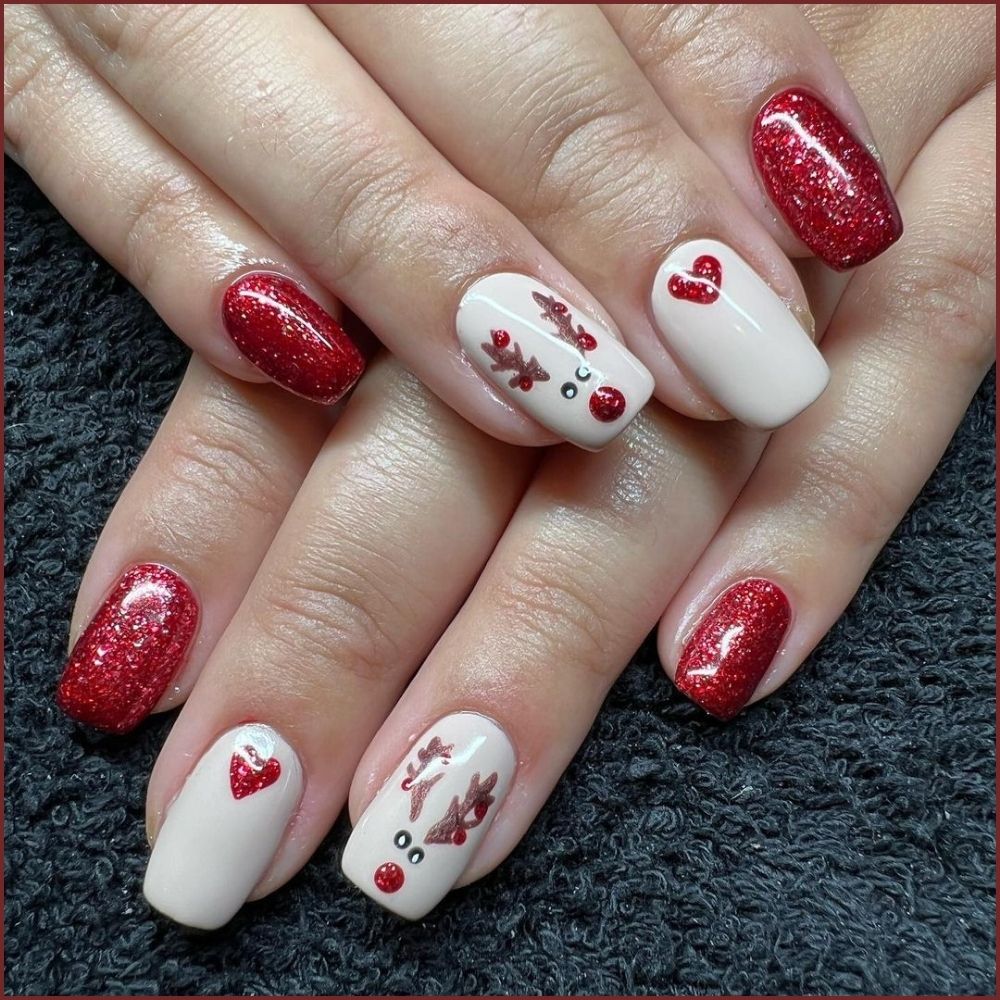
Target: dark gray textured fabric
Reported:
[(837, 839)]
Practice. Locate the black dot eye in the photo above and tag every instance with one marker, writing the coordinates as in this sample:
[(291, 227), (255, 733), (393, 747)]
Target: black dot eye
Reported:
[(416, 856), (569, 390), (402, 839), (583, 373)]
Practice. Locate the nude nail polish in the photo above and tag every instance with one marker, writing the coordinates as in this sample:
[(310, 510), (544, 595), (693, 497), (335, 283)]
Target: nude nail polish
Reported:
[(221, 832), (422, 829), (827, 185), (135, 644), (290, 337), (730, 330), (732, 646), (560, 366)]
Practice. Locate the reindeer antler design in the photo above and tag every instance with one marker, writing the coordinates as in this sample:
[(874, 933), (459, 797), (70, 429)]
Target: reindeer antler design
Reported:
[(511, 359), (452, 827), (558, 314), (435, 750)]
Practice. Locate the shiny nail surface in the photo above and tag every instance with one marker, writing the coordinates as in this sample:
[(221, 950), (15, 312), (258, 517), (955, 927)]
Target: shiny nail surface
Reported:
[(732, 647), (560, 366), (421, 830), (134, 645), (726, 325), (221, 832), (826, 184), (290, 337)]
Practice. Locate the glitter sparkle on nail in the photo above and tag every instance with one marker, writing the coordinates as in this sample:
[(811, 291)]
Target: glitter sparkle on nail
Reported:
[(128, 654)]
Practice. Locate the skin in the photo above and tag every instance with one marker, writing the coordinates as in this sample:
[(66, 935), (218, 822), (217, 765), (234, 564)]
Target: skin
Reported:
[(353, 596)]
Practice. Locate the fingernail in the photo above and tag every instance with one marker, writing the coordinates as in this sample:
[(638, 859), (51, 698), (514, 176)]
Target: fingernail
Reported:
[(826, 184), (559, 365), (416, 838), (724, 323), (289, 337), (732, 647), (130, 651), (221, 832)]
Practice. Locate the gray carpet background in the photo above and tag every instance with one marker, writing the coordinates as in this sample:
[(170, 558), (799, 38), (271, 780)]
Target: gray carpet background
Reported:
[(837, 839)]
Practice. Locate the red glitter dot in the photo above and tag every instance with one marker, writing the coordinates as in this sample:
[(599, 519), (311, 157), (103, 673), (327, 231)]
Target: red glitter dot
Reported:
[(525, 383), (560, 307), (586, 341), (389, 877), (501, 338), (459, 836), (607, 404), (481, 810)]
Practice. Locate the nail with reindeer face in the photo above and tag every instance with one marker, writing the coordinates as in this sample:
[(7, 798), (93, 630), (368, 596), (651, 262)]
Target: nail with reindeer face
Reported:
[(562, 367), (422, 829), (221, 832)]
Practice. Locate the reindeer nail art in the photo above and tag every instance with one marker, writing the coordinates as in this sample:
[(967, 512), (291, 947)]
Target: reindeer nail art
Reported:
[(562, 367), (221, 832), (416, 838), (733, 333)]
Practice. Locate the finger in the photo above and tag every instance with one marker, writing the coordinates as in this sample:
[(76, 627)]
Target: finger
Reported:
[(393, 522), (182, 544), (509, 692), (192, 253), (733, 71), (909, 344), (371, 207), (587, 154)]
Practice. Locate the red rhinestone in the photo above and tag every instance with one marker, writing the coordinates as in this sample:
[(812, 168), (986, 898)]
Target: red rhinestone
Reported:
[(458, 837), (607, 404), (481, 809), (389, 877), (526, 383), (501, 338), (586, 342), (559, 307), (406, 784)]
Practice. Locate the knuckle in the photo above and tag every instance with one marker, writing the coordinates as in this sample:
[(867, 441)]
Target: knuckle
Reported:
[(325, 609), (165, 211), (838, 487), (33, 71), (217, 458), (547, 605)]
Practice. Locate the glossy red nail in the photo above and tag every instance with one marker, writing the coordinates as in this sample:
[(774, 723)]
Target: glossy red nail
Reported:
[(128, 654), (290, 338), (825, 183), (732, 647)]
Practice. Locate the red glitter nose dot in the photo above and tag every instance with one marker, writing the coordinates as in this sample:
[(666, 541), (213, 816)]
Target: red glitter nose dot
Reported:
[(389, 877), (607, 404)]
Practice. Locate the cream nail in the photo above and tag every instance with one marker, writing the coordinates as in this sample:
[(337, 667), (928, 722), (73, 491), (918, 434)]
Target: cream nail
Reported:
[(724, 323), (221, 832), (420, 832), (559, 365)]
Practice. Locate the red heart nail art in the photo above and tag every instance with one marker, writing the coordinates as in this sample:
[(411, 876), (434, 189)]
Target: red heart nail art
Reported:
[(703, 285), (249, 772)]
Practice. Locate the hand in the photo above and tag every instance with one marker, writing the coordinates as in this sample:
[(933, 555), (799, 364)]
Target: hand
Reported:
[(542, 627), (381, 156)]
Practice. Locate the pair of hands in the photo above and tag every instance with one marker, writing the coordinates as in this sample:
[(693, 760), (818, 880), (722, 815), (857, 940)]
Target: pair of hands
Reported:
[(326, 563)]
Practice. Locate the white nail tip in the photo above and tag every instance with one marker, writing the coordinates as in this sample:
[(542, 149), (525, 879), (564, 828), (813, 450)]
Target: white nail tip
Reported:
[(221, 832), (725, 324), (559, 365), (420, 832)]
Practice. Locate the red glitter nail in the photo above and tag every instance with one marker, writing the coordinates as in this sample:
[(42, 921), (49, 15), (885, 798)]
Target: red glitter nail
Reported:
[(827, 185), (127, 655), (290, 338), (732, 647)]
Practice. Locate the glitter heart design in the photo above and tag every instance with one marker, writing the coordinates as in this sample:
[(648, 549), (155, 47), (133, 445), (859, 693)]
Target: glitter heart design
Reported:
[(249, 772), (703, 284)]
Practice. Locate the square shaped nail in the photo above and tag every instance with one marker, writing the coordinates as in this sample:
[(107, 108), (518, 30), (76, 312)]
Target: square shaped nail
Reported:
[(419, 833), (562, 367)]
